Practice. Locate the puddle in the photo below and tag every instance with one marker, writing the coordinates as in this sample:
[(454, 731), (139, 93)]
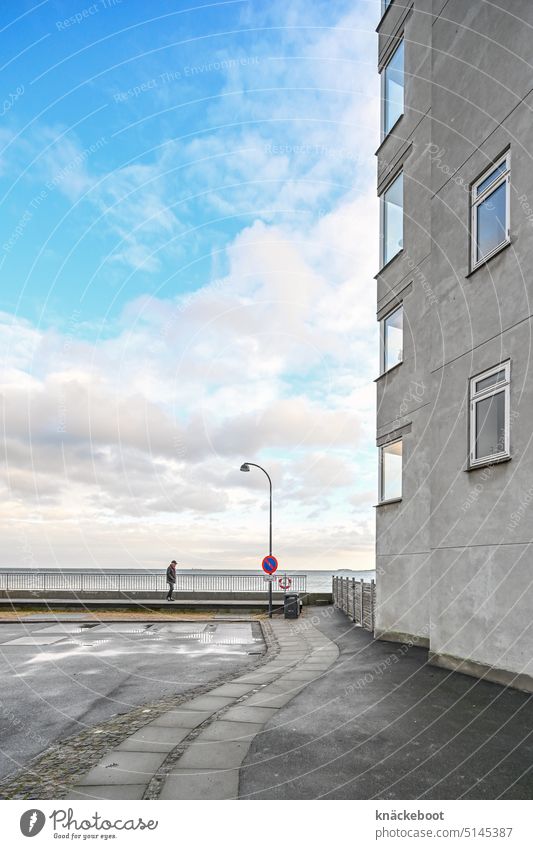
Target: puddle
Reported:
[(66, 628), (34, 641), (131, 638)]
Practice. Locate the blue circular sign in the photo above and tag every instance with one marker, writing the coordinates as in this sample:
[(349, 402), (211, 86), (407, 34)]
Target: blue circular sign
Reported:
[(269, 564)]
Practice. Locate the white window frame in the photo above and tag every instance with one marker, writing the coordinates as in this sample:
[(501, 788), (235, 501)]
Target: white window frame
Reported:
[(382, 358), (476, 397), (382, 232), (384, 132), (475, 201), (381, 499)]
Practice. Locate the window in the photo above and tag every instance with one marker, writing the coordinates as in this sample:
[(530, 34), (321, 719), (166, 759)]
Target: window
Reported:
[(390, 471), (490, 211), (489, 415), (392, 339), (392, 220), (392, 82)]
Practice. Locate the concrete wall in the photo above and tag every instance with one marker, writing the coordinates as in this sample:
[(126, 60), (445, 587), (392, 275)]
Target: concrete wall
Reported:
[(454, 557), (404, 393), (317, 598), (482, 600)]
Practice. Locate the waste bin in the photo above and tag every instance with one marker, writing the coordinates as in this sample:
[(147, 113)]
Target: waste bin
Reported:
[(291, 606)]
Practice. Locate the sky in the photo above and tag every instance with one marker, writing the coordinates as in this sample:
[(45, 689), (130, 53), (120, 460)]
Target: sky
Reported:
[(188, 240)]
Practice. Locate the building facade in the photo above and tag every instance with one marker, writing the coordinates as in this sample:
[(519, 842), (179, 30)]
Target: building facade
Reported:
[(454, 552)]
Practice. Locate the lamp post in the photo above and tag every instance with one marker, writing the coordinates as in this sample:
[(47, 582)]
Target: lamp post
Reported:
[(246, 468)]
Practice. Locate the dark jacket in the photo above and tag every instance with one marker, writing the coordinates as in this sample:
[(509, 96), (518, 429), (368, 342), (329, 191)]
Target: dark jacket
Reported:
[(171, 574)]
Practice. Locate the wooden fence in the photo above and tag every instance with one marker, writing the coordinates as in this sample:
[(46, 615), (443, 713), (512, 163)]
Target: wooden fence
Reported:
[(357, 599)]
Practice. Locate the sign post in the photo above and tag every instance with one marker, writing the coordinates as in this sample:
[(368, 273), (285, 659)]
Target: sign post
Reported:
[(269, 565)]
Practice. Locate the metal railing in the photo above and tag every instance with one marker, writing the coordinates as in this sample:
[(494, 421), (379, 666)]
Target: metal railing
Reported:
[(357, 599), (79, 581)]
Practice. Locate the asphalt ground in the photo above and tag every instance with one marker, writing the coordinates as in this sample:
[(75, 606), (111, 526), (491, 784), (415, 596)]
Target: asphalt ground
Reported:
[(61, 678), (383, 724)]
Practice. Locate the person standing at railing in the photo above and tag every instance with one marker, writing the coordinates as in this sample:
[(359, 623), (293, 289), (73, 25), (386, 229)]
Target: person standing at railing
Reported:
[(171, 579)]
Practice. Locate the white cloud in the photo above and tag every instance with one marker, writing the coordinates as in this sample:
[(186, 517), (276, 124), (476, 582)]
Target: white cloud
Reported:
[(154, 422), (123, 449)]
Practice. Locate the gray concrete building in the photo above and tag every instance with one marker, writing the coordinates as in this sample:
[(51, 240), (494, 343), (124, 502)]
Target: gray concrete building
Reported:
[(454, 553)]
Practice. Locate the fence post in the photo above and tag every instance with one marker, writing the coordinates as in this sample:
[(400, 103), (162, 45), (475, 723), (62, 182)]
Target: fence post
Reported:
[(347, 596), (361, 607), (353, 599), (372, 595)]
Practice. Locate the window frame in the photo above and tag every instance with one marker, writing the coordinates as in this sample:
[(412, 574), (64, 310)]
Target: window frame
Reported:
[(505, 177), (475, 397), (382, 218), (385, 133), (381, 488), (382, 338)]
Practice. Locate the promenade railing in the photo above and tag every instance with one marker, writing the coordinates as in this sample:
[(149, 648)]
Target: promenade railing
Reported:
[(124, 582), (357, 599)]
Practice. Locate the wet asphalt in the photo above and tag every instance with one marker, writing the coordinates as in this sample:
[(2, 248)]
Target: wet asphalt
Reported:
[(61, 678), (383, 724)]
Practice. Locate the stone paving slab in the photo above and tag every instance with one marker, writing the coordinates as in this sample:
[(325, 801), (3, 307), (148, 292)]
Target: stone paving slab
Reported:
[(259, 678), (154, 738), (288, 685), (267, 698), (109, 791), (232, 689), (250, 714), (191, 784), (291, 655), (208, 703), (221, 730), (283, 686), (206, 754), (124, 768), (182, 718)]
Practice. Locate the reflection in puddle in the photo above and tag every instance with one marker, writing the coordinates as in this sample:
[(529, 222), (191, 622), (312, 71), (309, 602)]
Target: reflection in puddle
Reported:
[(114, 640), (66, 628)]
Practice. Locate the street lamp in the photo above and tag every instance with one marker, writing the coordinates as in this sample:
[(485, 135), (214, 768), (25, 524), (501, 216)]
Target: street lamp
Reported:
[(246, 468)]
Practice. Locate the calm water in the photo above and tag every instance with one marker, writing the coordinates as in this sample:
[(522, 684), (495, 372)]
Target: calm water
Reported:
[(317, 581)]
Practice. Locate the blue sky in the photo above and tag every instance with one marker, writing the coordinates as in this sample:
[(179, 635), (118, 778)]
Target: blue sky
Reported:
[(187, 250)]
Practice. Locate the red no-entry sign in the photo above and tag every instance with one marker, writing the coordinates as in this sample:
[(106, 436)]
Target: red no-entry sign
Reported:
[(269, 564)]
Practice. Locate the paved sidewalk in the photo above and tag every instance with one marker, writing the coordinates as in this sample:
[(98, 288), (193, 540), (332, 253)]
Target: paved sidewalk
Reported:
[(195, 752), (383, 724)]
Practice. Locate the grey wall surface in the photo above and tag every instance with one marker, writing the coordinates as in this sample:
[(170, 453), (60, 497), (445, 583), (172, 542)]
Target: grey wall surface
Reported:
[(404, 394), (454, 557)]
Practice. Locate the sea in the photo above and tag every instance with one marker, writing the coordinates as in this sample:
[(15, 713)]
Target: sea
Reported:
[(317, 580)]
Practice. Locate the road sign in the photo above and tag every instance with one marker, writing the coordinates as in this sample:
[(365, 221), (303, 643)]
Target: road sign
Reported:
[(269, 564), (268, 578)]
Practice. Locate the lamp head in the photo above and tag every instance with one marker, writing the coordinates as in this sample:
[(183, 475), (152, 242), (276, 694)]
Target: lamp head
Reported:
[(245, 467)]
